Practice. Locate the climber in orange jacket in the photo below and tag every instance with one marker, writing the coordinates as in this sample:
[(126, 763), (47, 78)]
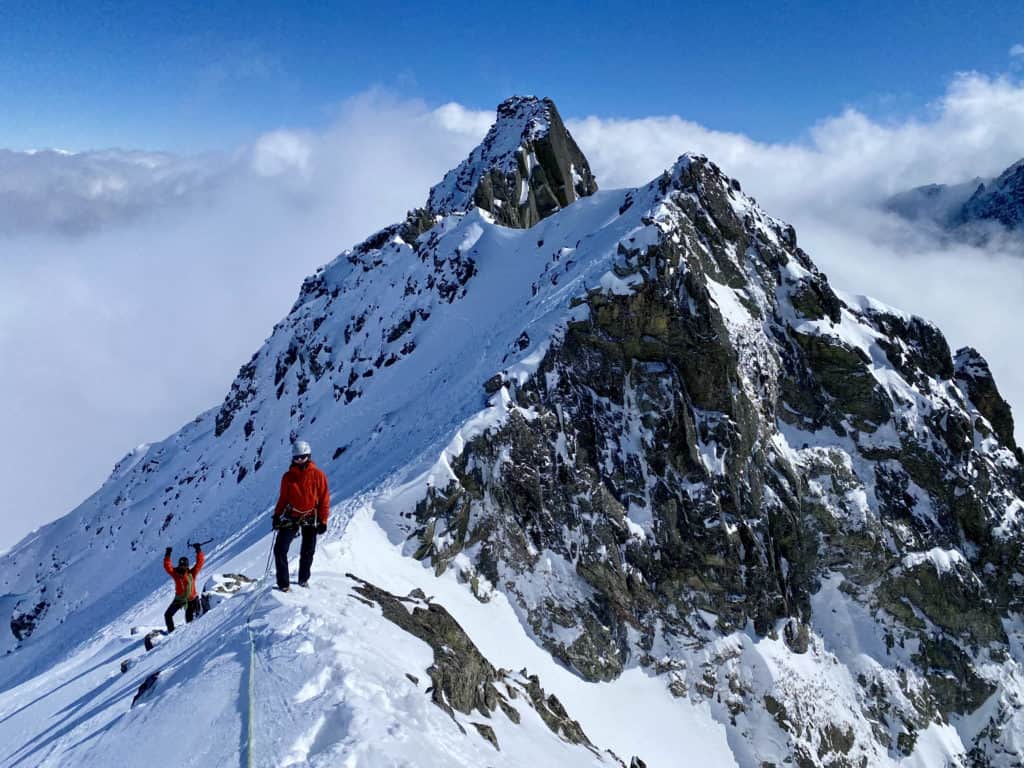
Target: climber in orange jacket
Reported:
[(303, 505), (184, 586)]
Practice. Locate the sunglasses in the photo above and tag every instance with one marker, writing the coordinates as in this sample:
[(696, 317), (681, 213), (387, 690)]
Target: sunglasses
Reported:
[(301, 458)]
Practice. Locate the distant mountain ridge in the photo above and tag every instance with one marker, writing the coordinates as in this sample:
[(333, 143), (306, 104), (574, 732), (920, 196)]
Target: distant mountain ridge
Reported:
[(1000, 200), (971, 210)]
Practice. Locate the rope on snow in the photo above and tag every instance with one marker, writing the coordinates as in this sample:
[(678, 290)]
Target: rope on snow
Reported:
[(250, 735)]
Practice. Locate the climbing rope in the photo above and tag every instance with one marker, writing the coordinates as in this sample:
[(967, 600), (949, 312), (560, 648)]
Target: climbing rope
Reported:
[(250, 736)]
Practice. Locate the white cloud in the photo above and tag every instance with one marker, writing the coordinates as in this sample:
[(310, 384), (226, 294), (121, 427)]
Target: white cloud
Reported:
[(73, 193), (975, 129), (1017, 50), (281, 152), (143, 281)]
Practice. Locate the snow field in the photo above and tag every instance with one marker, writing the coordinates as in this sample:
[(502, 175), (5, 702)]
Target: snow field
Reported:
[(331, 684)]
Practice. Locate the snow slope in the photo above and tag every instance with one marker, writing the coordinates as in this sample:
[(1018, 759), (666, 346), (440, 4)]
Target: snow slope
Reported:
[(330, 683)]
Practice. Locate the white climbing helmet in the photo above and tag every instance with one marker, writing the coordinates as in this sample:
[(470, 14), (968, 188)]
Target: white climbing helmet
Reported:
[(301, 448)]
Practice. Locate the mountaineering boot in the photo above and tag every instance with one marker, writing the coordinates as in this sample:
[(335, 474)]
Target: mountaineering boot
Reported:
[(304, 584)]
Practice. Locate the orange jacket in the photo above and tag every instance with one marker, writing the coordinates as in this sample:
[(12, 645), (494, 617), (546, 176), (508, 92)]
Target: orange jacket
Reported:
[(304, 489), (185, 583)]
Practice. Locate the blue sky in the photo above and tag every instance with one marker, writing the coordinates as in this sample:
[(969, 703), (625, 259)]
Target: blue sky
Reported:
[(192, 76)]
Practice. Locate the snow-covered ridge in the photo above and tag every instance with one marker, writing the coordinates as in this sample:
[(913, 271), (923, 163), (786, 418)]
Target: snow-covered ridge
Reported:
[(644, 431), (836, 414)]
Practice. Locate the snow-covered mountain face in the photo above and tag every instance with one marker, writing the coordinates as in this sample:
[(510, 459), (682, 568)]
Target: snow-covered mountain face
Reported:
[(974, 210), (634, 429), (1001, 201)]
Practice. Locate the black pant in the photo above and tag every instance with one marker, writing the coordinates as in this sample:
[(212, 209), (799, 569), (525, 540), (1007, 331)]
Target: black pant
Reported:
[(191, 609), (284, 540)]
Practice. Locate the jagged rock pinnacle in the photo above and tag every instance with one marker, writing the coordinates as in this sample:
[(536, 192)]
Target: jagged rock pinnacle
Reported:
[(973, 370), (526, 168)]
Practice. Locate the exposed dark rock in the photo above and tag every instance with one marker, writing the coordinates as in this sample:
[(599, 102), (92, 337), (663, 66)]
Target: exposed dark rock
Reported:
[(462, 680), (488, 733), (553, 713), (23, 622), (796, 635), (972, 369), (242, 392), (527, 167), (146, 689)]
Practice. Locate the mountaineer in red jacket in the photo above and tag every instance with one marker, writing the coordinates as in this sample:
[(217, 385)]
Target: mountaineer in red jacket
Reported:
[(303, 505), (184, 586)]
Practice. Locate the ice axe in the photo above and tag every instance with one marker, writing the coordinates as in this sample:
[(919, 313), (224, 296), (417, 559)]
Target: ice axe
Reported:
[(200, 543)]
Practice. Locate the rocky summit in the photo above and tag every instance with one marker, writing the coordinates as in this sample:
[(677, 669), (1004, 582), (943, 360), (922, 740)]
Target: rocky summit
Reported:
[(639, 427), (1000, 201), (527, 168)]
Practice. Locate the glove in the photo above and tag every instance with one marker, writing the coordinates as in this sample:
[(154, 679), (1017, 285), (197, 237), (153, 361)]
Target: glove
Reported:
[(167, 552), (321, 528), (197, 546), (276, 523)]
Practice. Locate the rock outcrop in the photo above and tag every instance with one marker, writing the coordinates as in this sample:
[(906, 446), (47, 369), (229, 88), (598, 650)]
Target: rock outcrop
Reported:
[(462, 679), (527, 167)]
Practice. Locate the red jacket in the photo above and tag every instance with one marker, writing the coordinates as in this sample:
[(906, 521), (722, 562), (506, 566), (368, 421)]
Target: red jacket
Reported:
[(304, 489), (185, 583)]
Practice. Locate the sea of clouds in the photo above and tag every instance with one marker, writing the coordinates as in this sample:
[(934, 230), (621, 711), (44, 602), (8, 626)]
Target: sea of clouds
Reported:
[(134, 284)]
